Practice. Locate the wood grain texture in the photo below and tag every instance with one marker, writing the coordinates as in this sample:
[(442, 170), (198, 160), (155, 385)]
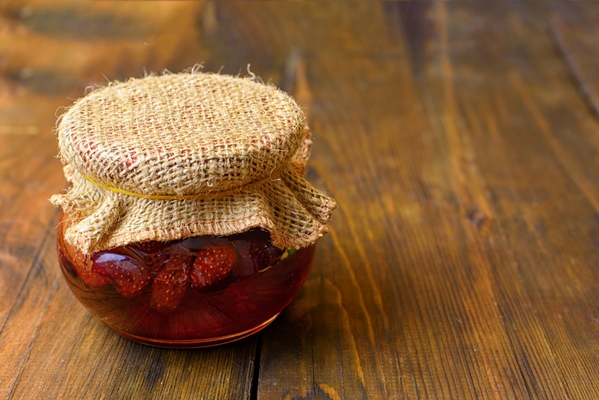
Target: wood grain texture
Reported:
[(461, 140), (50, 346)]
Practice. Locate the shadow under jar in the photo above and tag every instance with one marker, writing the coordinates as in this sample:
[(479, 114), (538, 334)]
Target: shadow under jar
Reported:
[(195, 292)]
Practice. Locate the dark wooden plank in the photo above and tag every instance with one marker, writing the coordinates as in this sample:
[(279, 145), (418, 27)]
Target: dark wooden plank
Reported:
[(520, 131), (50, 346), (59, 48), (29, 176), (429, 286), (576, 37), (373, 296)]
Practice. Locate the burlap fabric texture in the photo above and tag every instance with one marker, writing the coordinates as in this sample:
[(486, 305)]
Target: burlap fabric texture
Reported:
[(181, 155)]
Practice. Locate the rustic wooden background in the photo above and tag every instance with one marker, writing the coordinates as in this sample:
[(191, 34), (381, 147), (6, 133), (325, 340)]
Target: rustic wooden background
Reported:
[(461, 140)]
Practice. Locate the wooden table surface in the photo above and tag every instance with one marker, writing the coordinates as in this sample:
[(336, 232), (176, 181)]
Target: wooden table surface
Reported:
[(461, 140)]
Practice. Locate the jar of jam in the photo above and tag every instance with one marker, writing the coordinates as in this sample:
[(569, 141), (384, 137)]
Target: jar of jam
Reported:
[(188, 222)]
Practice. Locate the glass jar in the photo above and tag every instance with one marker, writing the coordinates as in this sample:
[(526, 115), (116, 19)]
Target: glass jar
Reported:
[(212, 166), (195, 292)]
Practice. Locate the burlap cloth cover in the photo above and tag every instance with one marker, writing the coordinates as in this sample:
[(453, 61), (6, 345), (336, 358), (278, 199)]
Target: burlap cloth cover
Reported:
[(180, 155)]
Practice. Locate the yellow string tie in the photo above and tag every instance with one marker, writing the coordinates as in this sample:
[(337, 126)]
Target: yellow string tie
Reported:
[(204, 196)]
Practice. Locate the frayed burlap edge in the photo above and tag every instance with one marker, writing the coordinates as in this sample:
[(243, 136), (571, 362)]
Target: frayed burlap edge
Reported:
[(287, 206)]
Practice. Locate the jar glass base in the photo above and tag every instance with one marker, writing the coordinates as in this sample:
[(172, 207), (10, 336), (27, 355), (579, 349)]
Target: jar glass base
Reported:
[(195, 343)]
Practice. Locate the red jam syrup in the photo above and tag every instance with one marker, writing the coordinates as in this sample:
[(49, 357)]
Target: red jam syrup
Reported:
[(196, 292)]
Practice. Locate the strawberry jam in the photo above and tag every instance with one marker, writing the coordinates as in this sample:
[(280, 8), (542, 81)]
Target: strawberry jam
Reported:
[(195, 292)]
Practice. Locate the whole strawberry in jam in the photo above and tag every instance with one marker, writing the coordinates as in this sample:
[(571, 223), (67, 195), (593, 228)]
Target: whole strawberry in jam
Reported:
[(127, 274), (171, 282), (213, 264), (81, 266)]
